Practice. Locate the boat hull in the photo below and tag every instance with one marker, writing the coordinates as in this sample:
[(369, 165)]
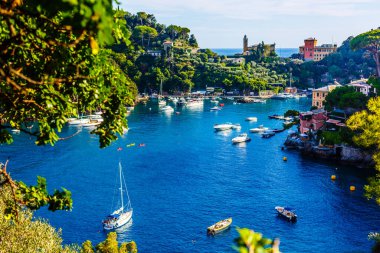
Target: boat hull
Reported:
[(121, 221), (219, 226)]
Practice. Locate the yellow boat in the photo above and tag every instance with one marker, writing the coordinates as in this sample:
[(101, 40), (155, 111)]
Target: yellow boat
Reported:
[(219, 226)]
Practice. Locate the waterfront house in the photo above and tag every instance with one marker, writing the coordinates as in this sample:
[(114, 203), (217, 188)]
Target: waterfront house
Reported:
[(311, 52), (312, 120), (320, 94)]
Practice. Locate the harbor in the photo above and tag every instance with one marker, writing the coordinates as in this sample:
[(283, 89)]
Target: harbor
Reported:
[(183, 176)]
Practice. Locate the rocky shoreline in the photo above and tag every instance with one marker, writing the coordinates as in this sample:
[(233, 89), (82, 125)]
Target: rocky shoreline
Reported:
[(340, 153)]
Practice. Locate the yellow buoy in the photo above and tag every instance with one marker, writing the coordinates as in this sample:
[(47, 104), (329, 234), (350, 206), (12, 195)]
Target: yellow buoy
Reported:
[(333, 177), (352, 188), (285, 158)]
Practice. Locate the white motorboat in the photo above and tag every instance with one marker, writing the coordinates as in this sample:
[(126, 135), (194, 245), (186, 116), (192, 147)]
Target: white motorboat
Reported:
[(167, 108), (252, 119), (91, 123), (122, 215), (241, 138), (194, 103), (236, 126), (78, 121), (15, 131), (96, 117), (215, 108), (214, 101), (223, 127), (259, 129)]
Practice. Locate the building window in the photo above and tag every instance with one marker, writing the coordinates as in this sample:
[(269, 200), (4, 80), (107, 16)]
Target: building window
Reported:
[(317, 94)]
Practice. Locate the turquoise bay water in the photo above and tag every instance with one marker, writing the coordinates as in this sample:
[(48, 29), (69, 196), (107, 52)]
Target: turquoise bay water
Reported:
[(282, 52), (188, 177)]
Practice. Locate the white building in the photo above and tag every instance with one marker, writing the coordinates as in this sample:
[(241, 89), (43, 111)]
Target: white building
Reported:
[(237, 61), (362, 86)]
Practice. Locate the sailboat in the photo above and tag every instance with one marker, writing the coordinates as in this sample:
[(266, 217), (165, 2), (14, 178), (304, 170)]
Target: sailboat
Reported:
[(161, 100), (122, 215)]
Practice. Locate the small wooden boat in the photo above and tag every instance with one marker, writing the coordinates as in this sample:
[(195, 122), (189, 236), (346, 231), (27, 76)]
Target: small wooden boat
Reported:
[(219, 226), (286, 212)]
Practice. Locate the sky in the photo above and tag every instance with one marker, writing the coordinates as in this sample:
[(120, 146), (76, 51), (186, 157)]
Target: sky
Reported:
[(223, 23)]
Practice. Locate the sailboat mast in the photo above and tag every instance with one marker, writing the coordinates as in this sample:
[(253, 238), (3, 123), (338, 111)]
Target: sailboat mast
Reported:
[(121, 188), (161, 88)]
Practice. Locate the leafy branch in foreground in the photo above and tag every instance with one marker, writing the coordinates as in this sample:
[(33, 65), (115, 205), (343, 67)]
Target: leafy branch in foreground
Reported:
[(32, 197), (53, 66), (250, 241)]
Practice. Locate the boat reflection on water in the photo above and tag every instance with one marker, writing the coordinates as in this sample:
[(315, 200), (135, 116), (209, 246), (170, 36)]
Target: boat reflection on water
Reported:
[(124, 232), (224, 133)]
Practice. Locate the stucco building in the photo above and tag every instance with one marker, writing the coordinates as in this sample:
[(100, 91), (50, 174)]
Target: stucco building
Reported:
[(311, 52), (312, 121), (319, 95)]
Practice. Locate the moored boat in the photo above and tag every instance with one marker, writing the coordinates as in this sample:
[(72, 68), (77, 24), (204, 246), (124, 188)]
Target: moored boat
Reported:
[(259, 129), (219, 226), (91, 123), (223, 127), (122, 215), (167, 108), (252, 119), (287, 212), (241, 138), (268, 134), (215, 108)]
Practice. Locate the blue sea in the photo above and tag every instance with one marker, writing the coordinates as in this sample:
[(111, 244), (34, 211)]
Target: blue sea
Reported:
[(282, 52), (187, 177)]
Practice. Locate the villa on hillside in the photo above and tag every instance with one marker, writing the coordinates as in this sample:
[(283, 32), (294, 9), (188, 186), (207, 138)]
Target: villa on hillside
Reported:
[(311, 52), (320, 94), (362, 86)]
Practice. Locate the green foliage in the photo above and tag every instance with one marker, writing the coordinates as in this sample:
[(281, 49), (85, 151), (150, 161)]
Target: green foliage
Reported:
[(193, 41), (345, 97), (28, 234), (35, 197), (253, 242), (366, 125), (291, 113), (53, 67), (370, 41), (110, 245), (375, 82)]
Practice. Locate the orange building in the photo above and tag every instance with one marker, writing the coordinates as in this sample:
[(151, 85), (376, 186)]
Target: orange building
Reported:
[(320, 94), (311, 52)]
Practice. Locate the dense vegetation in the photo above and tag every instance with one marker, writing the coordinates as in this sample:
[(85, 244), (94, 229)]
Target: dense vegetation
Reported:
[(183, 66), (345, 97)]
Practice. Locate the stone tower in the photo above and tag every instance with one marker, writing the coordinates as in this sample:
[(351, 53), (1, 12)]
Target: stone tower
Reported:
[(245, 44)]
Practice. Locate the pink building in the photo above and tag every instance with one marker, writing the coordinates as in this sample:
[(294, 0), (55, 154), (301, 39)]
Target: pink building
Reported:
[(312, 121)]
